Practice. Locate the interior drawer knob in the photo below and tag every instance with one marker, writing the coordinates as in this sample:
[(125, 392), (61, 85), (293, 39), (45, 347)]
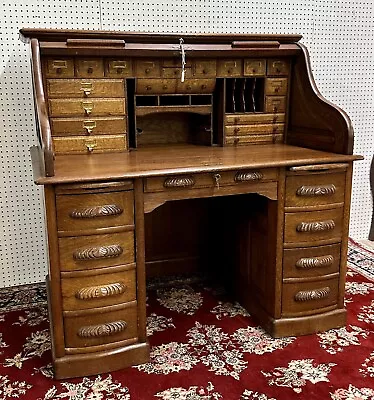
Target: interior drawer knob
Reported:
[(315, 262), (321, 190), (108, 329), (180, 181), (248, 176), (316, 226), (97, 292), (97, 253), (105, 210), (315, 294)]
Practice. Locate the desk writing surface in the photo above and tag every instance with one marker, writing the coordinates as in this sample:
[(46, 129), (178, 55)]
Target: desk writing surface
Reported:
[(182, 159)]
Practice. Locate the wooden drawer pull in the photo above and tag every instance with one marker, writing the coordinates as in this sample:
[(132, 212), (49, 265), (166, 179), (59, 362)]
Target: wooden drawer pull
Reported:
[(323, 190), (96, 292), (316, 294), (316, 226), (315, 262), (97, 253), (106, 210), (108, 329), (181, 181), (248, 176)]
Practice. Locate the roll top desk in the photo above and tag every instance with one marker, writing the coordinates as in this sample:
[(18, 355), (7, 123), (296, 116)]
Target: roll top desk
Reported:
[(169, 153)]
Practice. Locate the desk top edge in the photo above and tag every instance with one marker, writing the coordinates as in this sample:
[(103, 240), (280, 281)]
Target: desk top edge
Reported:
[(183, 159)]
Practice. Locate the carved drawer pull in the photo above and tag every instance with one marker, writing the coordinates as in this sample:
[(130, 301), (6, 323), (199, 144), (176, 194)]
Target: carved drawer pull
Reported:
[(180, 181), (315, 262), (96, 292), (87, 107), (97, 253), (316, 226), (316, 294), (106, 210), (248, 176), (87, 88), (323, 190), (108, 329)]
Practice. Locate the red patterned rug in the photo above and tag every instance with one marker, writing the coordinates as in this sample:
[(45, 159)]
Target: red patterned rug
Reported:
[(202, 347)]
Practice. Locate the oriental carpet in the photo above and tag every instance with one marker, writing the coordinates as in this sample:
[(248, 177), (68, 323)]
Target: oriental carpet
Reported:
[(203, 346)]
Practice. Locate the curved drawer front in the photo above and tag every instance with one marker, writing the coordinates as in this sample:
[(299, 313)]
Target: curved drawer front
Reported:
[(209, 180), (313, 226), (311, 261), (315, 190), (96, 251), (98, 290), (99, 328), (94, 211), (309, 297)]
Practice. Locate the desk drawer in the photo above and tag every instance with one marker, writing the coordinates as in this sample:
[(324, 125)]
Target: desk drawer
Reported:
[(208, 180), (88, 126), (101, 327), (243, 130), (94, 211), (254, 67), (275, 104), (313, 226), (253, 119), (254, 139), (276, 86), (89, 68), (315, 189), (89, 144), (309, 297), (278, 67), (98, 290), (59, 67), (228, 68), (305, 262), (63, 88), (96, 251), (118, 68), (89, 107)]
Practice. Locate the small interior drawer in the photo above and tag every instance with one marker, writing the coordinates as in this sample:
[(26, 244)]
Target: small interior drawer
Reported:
[(253, 119), (278, 67), (63, 88), (96, 251), (254, 67), (241, 130), (94, 211), (89, 144), (147, 68), (204, 68), (90, 68), (276, 86), (98, 290), (309, 297), (101, 327), (227, 68), (59, 68), (118, 68), (275, 104), (86, 107), (88, 126)]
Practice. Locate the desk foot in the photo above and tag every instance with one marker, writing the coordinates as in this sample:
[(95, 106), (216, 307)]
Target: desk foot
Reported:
[(72, 366)]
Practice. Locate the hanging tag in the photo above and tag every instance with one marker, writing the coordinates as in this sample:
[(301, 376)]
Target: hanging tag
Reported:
[(183, 56)]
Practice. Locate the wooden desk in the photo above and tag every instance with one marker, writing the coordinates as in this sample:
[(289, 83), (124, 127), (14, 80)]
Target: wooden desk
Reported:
[(241, 168)]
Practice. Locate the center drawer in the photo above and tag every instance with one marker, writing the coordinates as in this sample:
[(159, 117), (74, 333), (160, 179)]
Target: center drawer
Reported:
[(208, 180)]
